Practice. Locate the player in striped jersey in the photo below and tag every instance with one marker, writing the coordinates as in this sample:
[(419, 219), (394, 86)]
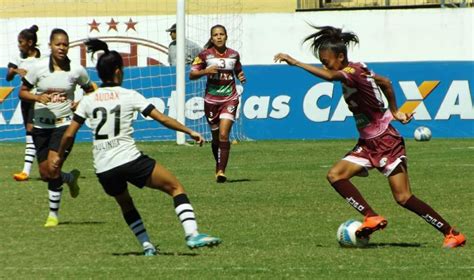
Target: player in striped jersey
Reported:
[(29, 54), (111, 110), (380, 145), (222, 66), (55, 79)]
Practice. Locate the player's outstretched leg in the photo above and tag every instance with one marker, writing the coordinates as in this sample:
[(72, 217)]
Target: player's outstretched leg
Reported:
[(400, 186), (452, 238), (186, 216), (164, 180)]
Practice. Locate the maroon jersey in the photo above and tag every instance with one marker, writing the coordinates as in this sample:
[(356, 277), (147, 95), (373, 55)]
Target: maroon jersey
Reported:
[(220, 87), (364, 99)]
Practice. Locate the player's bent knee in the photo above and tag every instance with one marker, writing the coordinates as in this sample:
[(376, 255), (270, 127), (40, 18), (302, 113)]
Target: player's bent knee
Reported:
[(175, 189), (402, 199), (333, 176), (223, 138), (44, 176)]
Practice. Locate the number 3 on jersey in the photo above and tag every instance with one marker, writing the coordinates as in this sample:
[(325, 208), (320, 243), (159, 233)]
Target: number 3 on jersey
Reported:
[(101, 112)]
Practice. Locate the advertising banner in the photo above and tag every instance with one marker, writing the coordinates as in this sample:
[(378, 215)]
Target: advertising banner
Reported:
[(285, 102)]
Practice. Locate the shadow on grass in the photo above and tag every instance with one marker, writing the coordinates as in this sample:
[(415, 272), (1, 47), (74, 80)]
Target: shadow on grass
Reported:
[(39, 178), (379, 245), (166, 254), (239, 180), (82, 223)]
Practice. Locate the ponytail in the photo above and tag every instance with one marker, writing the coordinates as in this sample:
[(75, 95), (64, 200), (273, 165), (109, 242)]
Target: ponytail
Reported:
[(29, 34), (328, 37), (108, 62)]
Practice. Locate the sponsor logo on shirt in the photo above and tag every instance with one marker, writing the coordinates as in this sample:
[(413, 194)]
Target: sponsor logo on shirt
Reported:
[(349, 70)]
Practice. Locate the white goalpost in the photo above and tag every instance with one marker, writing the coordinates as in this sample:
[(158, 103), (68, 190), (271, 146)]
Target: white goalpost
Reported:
[(180, 67), (136, 29)]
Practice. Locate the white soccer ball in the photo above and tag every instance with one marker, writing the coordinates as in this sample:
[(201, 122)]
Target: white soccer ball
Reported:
[(422, 133), (346, 235)]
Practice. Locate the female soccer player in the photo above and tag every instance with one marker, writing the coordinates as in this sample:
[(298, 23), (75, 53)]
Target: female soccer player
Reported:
[(221, 65), (380, 145), (29, 54), (55, 79), (111, 110)]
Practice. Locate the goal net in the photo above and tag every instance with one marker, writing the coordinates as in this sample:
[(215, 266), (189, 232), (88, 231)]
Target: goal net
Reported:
[(136, 29)]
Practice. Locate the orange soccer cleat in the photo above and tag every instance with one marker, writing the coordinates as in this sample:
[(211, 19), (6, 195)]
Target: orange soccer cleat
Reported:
[(370, 225), (22, 176), (453, 240)]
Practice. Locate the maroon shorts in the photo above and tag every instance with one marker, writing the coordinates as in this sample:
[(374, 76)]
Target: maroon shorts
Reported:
[(384, 152), (216, 112)]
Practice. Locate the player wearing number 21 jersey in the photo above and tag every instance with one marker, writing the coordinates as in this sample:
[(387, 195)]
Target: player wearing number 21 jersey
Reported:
[(111, 111)]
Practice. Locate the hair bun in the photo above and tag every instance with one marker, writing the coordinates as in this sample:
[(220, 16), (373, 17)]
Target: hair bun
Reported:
[(34, 28)]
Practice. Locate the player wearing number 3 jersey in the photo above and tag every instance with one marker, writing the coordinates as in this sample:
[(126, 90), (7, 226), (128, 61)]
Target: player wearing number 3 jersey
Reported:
[(111, 111), (222, 67)]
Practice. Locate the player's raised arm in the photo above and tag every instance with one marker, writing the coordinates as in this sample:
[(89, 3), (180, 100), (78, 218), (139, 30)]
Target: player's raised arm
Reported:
[(326, 74)]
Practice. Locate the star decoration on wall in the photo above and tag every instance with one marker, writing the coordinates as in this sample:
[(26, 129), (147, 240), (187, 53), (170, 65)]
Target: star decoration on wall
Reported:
[(94, 26), (131, 24), (112, 24)]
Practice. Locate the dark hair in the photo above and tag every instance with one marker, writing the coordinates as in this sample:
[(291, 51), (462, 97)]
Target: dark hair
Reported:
[(209, 43), (331, 38), (56, 31), (108, 62), (29, 34)]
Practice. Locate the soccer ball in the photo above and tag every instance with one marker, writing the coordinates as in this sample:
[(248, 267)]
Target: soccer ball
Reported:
[(422, 133), (346, 235)]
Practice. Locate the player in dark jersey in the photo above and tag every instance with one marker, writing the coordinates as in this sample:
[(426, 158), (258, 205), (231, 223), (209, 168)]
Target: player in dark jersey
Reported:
[(29, 55), (111, 111), (380, 145), (221, 65)]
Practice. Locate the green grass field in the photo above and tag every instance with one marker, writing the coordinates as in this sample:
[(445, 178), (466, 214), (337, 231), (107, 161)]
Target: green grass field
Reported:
[(277, 217)]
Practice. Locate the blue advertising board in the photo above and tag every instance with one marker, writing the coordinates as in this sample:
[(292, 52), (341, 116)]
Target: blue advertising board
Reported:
[(285, 102)]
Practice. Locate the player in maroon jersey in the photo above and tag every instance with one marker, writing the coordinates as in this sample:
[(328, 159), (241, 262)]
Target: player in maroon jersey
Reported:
[(221, 65), (380, 145)]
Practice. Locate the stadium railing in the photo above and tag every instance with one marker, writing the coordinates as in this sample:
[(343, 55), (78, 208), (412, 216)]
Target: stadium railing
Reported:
[(305, 5)]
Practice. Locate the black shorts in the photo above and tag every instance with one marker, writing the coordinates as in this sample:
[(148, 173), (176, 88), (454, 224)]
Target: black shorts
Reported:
[(27, 110), (137, 172), (47, 139)]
